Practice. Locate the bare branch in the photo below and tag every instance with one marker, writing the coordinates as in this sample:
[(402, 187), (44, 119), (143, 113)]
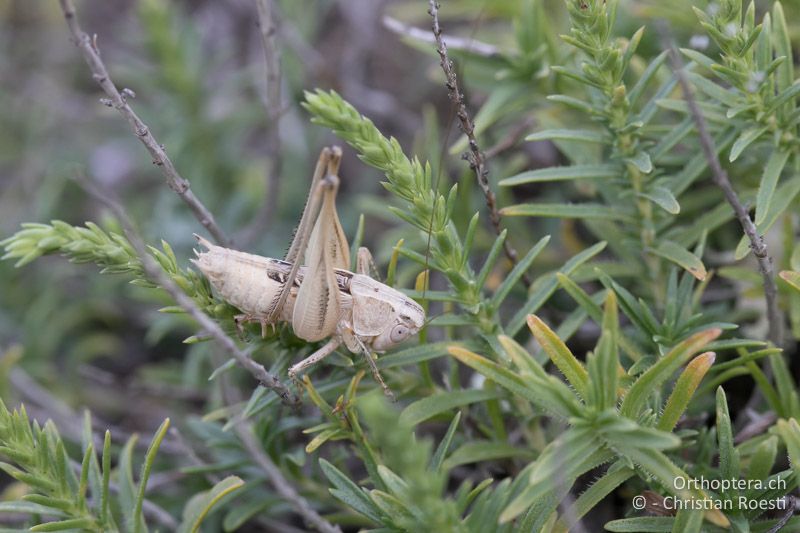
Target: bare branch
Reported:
[(156, 274), (280, 483), (268, 26), (475, 157), (511, 139), (720, 178), (119, 101)]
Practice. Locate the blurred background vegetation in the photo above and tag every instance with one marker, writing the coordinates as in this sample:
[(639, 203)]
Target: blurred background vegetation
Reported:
[(74, 340)]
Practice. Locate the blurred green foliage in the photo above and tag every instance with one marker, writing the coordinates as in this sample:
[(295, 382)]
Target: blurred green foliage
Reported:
[(638, 266)]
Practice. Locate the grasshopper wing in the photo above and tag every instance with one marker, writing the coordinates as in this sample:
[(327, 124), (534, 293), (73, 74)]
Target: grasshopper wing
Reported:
[(318, 305)]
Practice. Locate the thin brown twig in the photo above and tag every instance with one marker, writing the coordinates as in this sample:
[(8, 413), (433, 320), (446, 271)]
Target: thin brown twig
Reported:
[(511, 139), (720, 178), (475, 157), (156, 274), (119, 101), (245, 430), (268, 26), (280, 483)]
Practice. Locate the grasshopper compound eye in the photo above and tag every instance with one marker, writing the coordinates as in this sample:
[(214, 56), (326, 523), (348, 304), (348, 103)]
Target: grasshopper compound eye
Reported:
[(399, 333)]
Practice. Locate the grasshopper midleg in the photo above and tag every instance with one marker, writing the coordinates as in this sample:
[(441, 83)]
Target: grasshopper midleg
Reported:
[(312, 288)]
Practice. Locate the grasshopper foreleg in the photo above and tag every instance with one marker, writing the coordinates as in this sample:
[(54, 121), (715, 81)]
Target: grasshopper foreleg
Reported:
[(314, 358)]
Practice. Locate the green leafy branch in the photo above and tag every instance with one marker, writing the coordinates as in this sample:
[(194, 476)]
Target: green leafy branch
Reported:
[(88, 501), (113, 253), (602, 428), (758, 95)]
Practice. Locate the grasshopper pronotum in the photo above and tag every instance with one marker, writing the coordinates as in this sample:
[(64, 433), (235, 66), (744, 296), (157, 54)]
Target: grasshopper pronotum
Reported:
[(322, 298)]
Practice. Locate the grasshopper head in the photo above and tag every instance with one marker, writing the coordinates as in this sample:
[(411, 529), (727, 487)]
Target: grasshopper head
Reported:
[(409, 317), (382, 316)]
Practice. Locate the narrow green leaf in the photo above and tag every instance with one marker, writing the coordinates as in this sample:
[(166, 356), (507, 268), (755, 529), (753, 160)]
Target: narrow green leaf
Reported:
[(200, 505), (491, 259), (763, 459), (728, 456), (392, 506), (769, 180), (783, 197), (787, 95), (641, 160), (431, 406), (582, 210), (643, 524), (349, 492), (684, 389), (672, 251), (568, 135), (149, 459), (394, 483), (607, 356), (698, 57), (714, 90), (648, 382), (688, 521), (356, 243), (481, 451), (663, 198), (792, 278), (521, 358), (573, 172), (27, 507), (574, 103), (324, 436), (65, 525), (581, 297), (413, 355), (564, 460), (127, 487), (789, 432), (781, 37), (588, 499), (517, 272), (444, 445), (552, 396), (744, 140), (561, 356), (547, 286), (105, 514), (646, 76)]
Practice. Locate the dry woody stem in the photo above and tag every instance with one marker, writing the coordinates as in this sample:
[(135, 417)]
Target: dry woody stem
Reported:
[(119, 101), (281, 484), (720, 178), (157, 276), (476, 159)]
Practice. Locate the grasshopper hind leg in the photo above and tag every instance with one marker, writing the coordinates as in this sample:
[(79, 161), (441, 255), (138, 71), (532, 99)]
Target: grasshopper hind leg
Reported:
[(314, 358), (241, 320)]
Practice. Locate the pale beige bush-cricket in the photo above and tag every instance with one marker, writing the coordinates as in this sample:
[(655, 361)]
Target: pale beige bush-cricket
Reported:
[(315, 293)]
